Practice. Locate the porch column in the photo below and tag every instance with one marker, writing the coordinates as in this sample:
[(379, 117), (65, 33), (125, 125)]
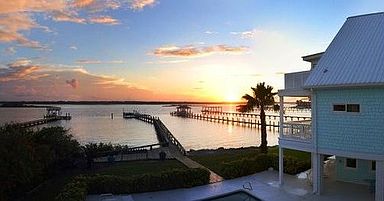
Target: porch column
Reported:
[(281, 165), (281, 121), (379, 191), (281, 150), (317, 172)]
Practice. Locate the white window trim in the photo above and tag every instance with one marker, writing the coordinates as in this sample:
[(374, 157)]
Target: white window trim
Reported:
[(345, 111), (371, 165), (333, 104)]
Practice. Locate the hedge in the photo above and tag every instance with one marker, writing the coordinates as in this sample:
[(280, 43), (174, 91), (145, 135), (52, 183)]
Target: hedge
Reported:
[(76, 190), (245, 166), (98, 184), (292, 165), (262, 162)]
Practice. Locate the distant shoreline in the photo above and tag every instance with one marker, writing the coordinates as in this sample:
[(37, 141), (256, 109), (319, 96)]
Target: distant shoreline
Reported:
[(42, 104)]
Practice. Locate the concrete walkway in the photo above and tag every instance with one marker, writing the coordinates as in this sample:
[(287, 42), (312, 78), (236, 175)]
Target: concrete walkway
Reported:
[(213, 177), (263, 185)]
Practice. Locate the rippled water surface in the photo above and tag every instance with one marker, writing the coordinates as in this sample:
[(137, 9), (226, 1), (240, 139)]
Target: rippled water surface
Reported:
[(93, 123)]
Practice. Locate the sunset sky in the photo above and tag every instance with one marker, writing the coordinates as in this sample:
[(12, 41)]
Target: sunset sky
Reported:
[(181, 50)]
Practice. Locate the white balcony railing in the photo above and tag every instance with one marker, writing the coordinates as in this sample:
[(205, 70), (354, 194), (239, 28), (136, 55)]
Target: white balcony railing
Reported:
[(295, 80), (297, 130)]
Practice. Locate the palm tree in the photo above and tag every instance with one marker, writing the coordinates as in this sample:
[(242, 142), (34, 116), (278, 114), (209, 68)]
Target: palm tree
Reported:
[(262, 96)]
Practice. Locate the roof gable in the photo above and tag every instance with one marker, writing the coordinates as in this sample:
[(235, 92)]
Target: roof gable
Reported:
[(355, 57)]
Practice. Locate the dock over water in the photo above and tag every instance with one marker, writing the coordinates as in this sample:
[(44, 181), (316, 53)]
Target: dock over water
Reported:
[(53, 114), (169, 144)]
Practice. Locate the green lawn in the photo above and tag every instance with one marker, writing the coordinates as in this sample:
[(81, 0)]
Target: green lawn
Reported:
[(49, 190), (214, 159), (300, 155)]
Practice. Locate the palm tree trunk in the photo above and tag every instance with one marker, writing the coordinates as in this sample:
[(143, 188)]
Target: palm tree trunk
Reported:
[(263, 145)]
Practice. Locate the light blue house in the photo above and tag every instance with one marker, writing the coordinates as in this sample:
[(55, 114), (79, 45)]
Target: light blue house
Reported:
[(346, 87)]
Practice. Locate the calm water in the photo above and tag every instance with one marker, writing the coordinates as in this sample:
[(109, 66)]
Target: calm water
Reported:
[(93, 123)]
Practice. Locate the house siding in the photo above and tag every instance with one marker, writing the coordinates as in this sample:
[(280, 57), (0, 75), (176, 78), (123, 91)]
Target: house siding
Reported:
[(361, 174), (361, 132)]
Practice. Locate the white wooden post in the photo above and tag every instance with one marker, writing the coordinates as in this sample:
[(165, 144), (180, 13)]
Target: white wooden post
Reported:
[(379, 191), (281, 151), (317, 173), (281, 128), (281, 166)]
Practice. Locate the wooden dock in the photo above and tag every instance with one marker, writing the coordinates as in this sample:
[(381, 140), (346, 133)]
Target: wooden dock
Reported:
[(170, 145), (251, 120), (164, 136), (37, 122)]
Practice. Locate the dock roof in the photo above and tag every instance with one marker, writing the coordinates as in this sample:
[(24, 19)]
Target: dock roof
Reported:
[(355, 57)]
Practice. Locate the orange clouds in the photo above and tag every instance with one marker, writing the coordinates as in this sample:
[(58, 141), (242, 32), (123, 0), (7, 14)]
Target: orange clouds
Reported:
[(11, 25), (140, 4), (18, 15), (83, 3), (192, 51), (14, 6), (20, 69), (104, 20), (67, 16), (15, 17), (24, 80), (90, 61)]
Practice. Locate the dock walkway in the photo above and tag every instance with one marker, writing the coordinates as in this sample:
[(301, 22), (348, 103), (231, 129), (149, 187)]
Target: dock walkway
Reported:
[(170, 145), (244, 119), (37, 122)]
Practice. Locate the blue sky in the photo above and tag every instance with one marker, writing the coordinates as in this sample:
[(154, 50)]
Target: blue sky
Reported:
[(207, 50)]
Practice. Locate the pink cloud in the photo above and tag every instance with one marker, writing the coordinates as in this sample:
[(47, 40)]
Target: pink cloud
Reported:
[(193, 51), (14, 6), (12, 24), (25, 80), (90, 61), (73, 83), (83, 3), (20, 70), (67, 16), (104, 20), (97, 5), (140, 4)]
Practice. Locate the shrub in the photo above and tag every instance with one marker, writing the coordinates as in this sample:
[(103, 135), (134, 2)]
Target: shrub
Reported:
[(245, 166), (148, 182), (76, 190), (28, 157), (292, 165), (98, 184)]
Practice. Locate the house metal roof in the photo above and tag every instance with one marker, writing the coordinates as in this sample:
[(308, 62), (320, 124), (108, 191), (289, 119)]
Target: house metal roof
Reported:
[(355, 57)]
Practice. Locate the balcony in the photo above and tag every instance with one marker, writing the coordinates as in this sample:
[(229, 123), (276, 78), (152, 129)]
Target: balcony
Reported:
[(295, 80), (297, 130), (294, 84)]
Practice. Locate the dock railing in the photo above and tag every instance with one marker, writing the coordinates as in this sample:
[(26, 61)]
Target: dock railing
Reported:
[(164, 136), (163, 131)]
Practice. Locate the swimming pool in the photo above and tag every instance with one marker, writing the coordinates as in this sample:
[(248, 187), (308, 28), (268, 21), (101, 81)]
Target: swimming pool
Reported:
[(233, 196)]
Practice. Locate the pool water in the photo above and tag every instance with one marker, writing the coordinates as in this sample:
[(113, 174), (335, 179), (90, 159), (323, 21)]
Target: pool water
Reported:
[(233, 196)]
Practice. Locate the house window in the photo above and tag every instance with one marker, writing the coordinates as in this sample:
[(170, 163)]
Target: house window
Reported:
[(346, 107), (353, 108), (373, 166), (351, 163), (339, 107)]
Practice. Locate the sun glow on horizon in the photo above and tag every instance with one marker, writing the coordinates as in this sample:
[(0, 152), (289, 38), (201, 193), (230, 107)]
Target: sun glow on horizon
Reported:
[(231, 96)]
